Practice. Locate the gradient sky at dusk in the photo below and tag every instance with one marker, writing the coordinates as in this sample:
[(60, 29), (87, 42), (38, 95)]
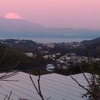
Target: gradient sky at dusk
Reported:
[(56, 13)]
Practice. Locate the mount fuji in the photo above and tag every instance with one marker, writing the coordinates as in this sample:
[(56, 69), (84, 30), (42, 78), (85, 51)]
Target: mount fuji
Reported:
[(14, 26)]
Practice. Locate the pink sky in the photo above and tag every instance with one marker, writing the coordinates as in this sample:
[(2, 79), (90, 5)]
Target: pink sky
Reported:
[(56, 13)]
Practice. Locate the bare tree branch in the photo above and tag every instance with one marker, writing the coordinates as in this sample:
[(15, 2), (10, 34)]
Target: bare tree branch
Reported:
[(83, 73), (5, 97), (33, 84), (7, 75), (38, 89), (85, 88), (3, 57), (10, 95)]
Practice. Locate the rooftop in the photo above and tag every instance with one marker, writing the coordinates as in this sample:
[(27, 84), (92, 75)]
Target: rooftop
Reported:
[(53, 86)]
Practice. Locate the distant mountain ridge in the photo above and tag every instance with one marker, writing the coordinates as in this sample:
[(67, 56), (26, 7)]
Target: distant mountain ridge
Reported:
[(18, 28)]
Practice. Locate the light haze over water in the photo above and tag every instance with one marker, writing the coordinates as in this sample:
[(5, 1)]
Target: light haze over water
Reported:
[(52, 40)]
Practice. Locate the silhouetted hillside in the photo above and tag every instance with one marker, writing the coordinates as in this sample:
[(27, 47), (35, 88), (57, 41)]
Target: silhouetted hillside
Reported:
[(92, 47), (12, 59), (91, 42), (22, 45)]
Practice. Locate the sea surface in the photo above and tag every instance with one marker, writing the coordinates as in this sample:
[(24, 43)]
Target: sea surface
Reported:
[(52, 40), (57, 40)]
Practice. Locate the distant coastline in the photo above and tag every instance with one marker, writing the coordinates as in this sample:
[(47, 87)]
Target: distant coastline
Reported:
[(51, 40), (58, 40)]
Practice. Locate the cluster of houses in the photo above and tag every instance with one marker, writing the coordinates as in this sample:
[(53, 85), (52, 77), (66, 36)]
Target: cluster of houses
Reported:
[(69, 59), (65, 61), (67, 44)]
